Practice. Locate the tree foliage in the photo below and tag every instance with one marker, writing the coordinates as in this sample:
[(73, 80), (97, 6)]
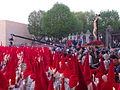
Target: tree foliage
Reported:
[(35, 22), (109, 18), (59, 21), (84, 20)]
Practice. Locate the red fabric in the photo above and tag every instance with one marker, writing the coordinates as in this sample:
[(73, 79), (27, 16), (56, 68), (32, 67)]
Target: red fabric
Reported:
[(99, 84), (69, 43), (75, 66), (63, 66), (28, 70), (47, 57), (82, 85), (110, 79), (118, 86), (86, 70), (80, 66), (102, 66), (3, 82), (10, 69), (69, 68), (1, 53), (111, 75), (56, 60), (27, 60), (36, 77), (94, 86), (43, 77), (51, 87), (73, 80), (93, 71), (106, 86), (96, 42), (39, 75), (67, 72), (101, 72), (63, 86)]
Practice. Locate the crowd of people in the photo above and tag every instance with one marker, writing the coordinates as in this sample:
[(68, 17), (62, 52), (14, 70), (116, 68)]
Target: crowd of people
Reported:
[(74, 67)]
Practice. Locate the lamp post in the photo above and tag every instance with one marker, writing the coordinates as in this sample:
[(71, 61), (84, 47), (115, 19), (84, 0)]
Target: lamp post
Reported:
[(11, 40)]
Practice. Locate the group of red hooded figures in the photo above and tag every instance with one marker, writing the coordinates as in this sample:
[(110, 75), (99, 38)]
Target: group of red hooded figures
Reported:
[(40, 60)]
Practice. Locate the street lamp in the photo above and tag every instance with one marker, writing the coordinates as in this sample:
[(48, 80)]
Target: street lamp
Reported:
[(11, 40)]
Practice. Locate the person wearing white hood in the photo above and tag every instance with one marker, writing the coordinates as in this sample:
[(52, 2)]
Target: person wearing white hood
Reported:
[(106, 61)]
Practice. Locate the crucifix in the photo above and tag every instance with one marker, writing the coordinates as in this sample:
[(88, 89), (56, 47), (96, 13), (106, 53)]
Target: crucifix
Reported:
[(95, 25)]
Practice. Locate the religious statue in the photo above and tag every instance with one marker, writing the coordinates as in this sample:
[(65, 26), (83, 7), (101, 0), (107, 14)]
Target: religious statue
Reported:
[(95, 25)]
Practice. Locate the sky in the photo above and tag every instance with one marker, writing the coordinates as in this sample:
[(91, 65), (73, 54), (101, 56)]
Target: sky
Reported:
[(19, 10)]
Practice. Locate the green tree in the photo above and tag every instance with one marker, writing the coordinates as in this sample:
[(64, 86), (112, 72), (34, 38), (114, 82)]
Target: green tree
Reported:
[(84, 20), (109, 18), (35, 22), (59, 21)]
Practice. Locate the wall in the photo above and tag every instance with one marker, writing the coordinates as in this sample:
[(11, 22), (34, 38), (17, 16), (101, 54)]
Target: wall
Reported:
[(10, 27), (2, 32)]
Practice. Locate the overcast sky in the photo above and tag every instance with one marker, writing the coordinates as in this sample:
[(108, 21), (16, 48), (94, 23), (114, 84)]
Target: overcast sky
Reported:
[(18, 10)]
